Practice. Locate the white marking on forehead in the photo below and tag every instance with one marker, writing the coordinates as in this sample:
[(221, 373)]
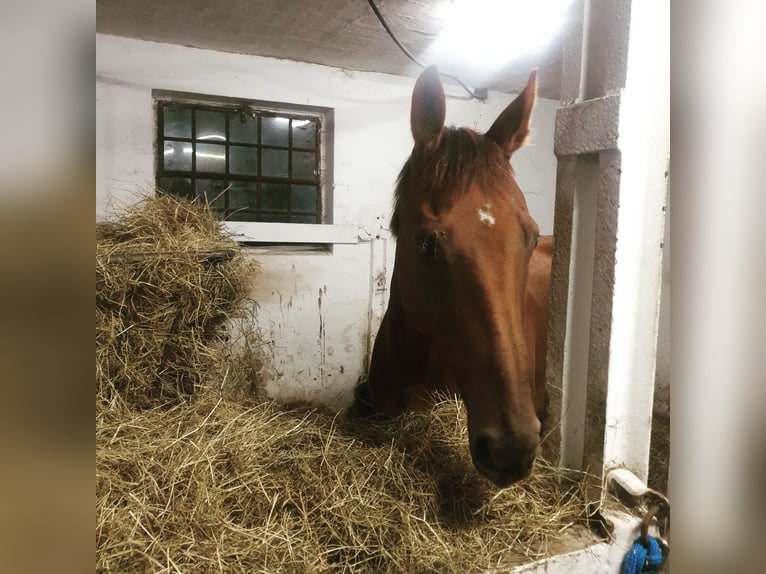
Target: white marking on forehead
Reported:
[(485, 215)]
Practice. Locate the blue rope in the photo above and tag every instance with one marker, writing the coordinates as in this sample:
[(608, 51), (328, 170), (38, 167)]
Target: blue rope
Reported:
[(643, 560)]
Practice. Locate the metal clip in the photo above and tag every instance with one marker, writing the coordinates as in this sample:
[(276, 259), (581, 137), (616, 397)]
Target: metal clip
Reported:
[(652, 514)]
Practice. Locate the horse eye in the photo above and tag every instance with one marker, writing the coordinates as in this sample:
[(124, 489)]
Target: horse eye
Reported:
[(427, 247)]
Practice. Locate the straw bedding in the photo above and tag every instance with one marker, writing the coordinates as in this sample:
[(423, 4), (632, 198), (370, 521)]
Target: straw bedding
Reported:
[(192, 478), (659, 454)]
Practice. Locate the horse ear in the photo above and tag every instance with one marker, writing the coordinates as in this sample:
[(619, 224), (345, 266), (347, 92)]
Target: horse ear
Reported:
[(511, 128), (428, 109)]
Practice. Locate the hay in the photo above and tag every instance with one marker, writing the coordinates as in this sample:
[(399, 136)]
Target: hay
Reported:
[(168, 284), (659, 454), (218, 485), (192, 478)]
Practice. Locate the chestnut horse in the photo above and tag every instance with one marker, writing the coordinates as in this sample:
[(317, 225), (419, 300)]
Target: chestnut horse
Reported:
[(469, 293)]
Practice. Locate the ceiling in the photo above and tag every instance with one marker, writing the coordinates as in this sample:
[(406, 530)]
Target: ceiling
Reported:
[(339, 33)]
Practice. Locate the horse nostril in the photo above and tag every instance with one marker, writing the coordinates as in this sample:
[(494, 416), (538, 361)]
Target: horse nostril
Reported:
[(482, 454)]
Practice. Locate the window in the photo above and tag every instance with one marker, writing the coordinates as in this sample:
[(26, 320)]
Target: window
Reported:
[(250, 162)]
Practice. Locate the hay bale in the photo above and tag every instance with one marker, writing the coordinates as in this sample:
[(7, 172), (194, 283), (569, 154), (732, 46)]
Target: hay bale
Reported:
[(219, 485), (167, 283)]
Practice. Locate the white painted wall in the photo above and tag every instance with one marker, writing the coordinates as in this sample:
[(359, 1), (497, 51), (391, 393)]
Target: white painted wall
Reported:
[(372, 140)]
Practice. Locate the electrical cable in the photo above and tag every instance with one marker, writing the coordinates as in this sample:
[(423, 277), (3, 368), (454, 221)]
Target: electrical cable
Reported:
[(407, 53)]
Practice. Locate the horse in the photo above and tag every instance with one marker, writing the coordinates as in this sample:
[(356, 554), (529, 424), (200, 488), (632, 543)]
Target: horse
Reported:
[(468, 305)]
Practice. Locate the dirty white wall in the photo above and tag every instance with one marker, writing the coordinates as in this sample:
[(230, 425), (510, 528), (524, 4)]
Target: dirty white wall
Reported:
[(314, 307)]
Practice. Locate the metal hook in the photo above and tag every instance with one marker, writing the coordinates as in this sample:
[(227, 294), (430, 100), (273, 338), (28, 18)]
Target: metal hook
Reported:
[(664, 546), (646, 522)]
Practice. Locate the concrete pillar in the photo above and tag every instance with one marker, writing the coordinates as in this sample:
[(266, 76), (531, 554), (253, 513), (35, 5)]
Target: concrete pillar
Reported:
[(612, 143)]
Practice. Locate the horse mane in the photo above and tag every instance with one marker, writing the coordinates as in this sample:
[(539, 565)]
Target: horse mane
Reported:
[(461, 158)]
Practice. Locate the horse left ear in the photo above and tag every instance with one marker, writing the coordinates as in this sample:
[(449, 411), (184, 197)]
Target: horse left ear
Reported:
[(511, 128), (428, 109)]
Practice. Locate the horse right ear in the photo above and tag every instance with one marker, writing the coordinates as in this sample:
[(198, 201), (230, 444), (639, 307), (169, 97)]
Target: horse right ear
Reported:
[(428, 109), (511, 128)]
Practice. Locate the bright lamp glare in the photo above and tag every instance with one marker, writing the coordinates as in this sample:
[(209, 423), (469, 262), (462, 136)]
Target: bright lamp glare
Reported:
[(490, 33)]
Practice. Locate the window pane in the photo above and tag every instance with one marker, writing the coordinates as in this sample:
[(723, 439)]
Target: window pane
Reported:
[(178, 186), (274, 217), (245, 216), (176, 122), (243, 160), (271, 150), (242, 195), (274, 162), (211, 157), (244, 132), (275, 130), (274, 196), (303, 164), (210, 126), (177, 156), (304, 198), (212, 192), (303, 218), (304, 133)]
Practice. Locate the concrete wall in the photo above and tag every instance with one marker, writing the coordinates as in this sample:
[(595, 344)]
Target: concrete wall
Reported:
[(317, 311)]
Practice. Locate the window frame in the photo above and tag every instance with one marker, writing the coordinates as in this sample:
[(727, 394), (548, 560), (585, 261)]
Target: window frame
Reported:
[(324, 118)]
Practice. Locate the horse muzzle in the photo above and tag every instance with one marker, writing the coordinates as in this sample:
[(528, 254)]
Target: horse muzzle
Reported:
[(505, 459)]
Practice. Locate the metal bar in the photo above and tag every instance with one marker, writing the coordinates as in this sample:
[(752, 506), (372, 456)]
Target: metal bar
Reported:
[(239, 144), (559, 300), (223, 177), (261, 232), (579, 310), (599, 336), (573, 56), (643, 187)]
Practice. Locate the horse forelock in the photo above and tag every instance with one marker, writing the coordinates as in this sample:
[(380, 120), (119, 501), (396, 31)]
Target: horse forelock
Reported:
[(443, 174)]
